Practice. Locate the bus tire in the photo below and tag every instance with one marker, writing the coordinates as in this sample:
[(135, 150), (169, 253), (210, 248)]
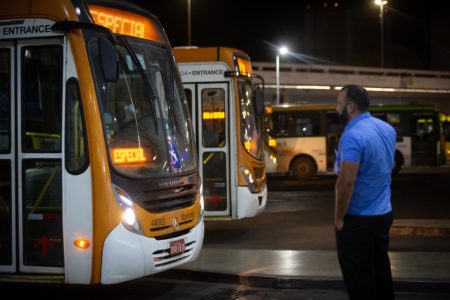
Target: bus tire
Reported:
[(303, 168)]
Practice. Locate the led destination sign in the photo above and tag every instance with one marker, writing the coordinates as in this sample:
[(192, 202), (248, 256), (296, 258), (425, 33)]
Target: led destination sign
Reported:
[(126, 23), (125, 156)]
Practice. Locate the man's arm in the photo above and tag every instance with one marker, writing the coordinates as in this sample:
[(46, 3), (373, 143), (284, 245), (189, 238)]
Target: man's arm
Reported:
[(344, 190)]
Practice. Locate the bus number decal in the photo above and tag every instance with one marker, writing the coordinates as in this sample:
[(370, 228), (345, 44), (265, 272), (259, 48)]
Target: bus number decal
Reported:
[(158, 222)]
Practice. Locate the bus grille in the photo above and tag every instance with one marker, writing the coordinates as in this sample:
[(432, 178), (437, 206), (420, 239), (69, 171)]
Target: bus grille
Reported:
[(162, 258), (168, 200), (160, 206), (259, 172)]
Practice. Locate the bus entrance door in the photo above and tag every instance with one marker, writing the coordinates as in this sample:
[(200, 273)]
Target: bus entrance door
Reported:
[(31, 239), (213, 139), (425, 140)]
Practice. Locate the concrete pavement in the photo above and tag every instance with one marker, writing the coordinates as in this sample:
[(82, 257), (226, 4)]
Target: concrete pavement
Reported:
[(319, 269), (412, 271)]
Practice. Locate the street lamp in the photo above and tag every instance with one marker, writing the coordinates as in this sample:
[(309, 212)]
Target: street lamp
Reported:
[(283, 50), (381, 3), (189, 21)]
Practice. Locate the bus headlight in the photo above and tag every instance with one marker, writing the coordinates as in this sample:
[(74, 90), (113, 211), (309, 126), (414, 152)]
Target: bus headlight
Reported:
[(249, 178), (202, 201), (273, 158), (129, 219)]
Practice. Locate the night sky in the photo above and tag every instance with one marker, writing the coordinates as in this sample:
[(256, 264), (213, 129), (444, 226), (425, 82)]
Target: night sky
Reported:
[(323, 32)]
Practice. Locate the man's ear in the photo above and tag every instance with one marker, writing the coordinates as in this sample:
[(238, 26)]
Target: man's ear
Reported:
[(351, 107)]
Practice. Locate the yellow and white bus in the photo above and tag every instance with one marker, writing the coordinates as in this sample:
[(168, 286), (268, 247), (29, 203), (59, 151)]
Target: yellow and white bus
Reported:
[(227, 109), (99, 174), (308, 135)]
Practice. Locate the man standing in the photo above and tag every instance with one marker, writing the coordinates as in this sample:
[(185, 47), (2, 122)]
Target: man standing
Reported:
[(363, 212)]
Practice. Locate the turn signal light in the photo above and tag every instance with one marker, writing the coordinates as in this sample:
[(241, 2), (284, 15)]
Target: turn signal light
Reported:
[(81, 243)]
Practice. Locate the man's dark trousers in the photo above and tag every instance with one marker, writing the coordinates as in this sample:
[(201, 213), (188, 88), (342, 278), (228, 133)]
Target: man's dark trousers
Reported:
[(362, 247)]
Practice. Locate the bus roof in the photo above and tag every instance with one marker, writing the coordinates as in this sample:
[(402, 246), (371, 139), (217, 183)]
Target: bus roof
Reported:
[(49, 9), (208, 54), (302, 107), (61, 10), (381, 107), (403, 107)]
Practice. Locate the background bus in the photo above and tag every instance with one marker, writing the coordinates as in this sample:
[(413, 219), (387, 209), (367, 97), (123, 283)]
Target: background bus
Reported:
[(419, 134), (307, 136), (98, 170), (227, 110)]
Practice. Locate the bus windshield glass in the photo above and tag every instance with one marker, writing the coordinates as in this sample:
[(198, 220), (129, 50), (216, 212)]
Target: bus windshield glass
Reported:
[(144, 113), (251, 125)]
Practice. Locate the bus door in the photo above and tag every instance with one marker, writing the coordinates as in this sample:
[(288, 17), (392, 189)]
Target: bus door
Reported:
[(213, 140), (425, 139), (31, 239)]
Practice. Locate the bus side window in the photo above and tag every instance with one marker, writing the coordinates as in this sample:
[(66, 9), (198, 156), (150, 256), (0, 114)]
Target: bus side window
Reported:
[(424, 128), (76, 140), (213, 117), (5, 100), (41, 98)]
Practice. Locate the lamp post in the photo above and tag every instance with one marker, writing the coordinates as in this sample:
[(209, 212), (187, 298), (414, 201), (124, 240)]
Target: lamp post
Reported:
[(381, 3), (283, 50), (189, 21)]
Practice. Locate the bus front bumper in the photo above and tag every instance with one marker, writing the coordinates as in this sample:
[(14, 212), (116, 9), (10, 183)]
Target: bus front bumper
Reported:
[(128, 256), (250, 204)]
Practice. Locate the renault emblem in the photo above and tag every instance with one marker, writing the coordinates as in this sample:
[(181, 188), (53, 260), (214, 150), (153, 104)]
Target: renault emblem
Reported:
[(175, 224)]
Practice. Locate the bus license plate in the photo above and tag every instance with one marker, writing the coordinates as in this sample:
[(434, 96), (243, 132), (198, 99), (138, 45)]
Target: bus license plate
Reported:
[(177, 247)]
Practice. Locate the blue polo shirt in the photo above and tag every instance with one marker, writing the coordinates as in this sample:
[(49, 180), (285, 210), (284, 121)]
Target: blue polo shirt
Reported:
[(370, 142)]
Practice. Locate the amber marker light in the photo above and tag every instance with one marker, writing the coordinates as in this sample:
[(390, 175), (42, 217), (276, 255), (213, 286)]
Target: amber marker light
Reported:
[(244, 66), (273, 143), (82, 243)]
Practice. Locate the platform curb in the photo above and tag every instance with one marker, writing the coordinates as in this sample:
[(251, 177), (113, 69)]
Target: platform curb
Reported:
[(293, 282)]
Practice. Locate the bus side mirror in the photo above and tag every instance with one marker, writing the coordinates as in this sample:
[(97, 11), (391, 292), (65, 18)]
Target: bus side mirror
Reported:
[(258, 102), (109, 59)]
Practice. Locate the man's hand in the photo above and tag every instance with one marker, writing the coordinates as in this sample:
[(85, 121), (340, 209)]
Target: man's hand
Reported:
[(339, 224), (344, 190)]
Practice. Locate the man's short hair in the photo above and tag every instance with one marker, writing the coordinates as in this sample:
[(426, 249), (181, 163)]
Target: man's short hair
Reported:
[(358, 95)]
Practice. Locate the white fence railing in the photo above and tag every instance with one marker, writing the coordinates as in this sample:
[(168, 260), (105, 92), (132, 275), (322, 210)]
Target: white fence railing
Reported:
[(335, 75)]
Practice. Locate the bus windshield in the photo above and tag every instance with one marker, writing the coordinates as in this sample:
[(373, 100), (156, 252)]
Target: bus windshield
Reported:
[(251, 127), (145, 118)]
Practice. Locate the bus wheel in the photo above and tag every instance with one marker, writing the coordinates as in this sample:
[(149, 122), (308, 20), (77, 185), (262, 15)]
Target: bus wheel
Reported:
[(303, 168)]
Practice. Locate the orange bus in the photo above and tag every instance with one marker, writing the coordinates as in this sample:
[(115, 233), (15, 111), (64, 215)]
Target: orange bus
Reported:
[(227, 109), (99, 174)]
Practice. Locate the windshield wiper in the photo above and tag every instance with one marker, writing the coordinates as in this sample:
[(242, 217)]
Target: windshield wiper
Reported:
[(148, 88)]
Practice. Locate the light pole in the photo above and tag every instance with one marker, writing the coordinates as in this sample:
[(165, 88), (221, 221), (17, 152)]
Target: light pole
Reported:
[(189, 21), (381, 3), (282, 50)]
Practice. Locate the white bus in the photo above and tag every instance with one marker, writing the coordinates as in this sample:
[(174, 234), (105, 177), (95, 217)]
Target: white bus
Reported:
[(308, 135)]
